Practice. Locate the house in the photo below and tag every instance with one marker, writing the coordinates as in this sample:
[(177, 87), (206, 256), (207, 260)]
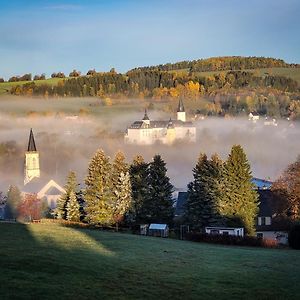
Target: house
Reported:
[(235, 231), (148, 132), (253, 116), (45, 188), (262, 183), (268, 224)]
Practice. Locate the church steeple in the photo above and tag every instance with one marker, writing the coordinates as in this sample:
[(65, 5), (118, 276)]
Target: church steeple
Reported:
[(31, 142), (146, 119), (32, 161), (180, 111)]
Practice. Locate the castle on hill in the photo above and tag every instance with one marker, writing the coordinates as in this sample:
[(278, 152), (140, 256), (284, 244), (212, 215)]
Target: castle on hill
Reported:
[(148, 132)]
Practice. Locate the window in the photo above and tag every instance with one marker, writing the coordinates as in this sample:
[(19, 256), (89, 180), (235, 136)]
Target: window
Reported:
[(260, 235), (214, 231), (259, 221), (263, 221), (225, 233), (268, 220)]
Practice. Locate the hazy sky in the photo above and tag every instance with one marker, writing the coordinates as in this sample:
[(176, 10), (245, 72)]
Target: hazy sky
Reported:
[(47, 36)]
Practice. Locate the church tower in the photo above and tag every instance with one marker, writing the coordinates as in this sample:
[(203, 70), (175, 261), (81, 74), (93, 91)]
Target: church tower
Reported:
[(32, 162), (181, 112), (146, 119)]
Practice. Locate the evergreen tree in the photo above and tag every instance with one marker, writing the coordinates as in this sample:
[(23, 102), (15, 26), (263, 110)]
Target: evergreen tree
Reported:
[(73, 208), (202, 207), (14, 199), (98, 194), (239, 202), (61, 206), (121, 188), (158, 205), (139, 188)]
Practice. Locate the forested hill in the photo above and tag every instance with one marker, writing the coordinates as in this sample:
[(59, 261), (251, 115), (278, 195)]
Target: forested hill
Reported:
[(265, 85), (221, 64)]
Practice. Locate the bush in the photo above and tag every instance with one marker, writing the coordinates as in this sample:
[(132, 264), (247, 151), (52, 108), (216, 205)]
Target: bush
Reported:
[(231, 240), (294, 236)]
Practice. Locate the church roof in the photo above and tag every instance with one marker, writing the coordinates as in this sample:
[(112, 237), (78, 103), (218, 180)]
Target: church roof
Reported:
[(180, 106), (31, 142)]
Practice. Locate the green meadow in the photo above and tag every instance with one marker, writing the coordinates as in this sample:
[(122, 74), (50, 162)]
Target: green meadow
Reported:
[(49, 261)]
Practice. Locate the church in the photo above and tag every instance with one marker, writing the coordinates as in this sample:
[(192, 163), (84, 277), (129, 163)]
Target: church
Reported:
[(46, 189), (148, 132)]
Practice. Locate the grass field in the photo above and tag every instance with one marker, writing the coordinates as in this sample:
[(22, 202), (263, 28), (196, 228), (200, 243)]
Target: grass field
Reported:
[(6, 86), (47, 261)]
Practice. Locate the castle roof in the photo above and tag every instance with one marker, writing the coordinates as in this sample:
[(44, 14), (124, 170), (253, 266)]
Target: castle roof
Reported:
[(180, 106), (146, 118), (160, 124), (31, 142)]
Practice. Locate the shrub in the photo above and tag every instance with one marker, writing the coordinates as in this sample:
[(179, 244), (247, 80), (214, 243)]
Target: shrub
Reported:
[(231, 240), (294, 236)]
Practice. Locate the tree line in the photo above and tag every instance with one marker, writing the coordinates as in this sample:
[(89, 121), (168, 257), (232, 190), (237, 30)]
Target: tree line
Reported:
[(116, 193), (220, 64)]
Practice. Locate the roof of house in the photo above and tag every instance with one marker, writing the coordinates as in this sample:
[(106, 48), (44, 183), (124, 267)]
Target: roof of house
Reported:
[(158, 226), (180, 203), (31, 142), (262, 183)]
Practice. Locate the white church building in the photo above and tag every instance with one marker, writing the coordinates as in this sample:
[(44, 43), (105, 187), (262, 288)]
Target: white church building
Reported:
[(45, 188), (148, 132)]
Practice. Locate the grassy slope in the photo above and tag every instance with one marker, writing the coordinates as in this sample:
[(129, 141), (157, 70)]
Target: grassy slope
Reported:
[(47, 261), (6, 86)]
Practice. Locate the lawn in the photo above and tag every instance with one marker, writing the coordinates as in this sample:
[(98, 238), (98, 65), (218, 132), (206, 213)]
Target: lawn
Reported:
[(47, 261)]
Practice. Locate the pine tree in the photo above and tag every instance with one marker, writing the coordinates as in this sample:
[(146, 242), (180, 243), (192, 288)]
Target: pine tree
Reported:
[(61, 206), (158, 205), (121, 188), (240, 200), (98, 194), (139, 188), (73, 208), (202, 207), (14, 199)]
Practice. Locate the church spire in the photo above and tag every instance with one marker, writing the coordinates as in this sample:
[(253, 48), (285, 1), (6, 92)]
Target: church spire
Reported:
[(180, 106), (146, 118), (31, 142)]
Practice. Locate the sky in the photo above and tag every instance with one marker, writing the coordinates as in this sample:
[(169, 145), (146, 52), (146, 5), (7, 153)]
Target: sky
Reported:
[(50, 36)]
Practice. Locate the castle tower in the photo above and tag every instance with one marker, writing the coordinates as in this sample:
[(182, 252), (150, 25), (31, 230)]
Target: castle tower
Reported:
[(32, 162), (171, 133), (146, 119), (181, 112)]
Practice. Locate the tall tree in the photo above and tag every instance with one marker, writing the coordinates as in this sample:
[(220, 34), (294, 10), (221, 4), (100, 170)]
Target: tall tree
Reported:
[(240, 200), (202, 207), (14, 198), (98, 194), (158, 206), (120, 178), (139, 188), (70, 186), (287, 191), (73, 208)]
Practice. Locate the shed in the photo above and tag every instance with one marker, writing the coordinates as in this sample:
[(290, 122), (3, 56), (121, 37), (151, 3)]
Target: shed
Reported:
[(236, 231), (160, 230)]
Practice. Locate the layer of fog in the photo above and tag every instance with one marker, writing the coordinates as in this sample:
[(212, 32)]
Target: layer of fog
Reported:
[(68, 143)]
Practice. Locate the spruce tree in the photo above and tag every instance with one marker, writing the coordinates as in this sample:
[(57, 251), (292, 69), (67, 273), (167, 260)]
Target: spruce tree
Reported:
[(158, 205), (62, 202), (240, 200), (98, 194), (204, 193), (73, 208), (121, 188), (14, 199), (139, 188)]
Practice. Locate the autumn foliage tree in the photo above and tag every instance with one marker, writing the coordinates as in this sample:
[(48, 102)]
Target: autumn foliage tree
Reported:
[(30, 208)]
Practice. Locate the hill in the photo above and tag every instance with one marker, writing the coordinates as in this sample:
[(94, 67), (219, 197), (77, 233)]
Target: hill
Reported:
[(50, 261)]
